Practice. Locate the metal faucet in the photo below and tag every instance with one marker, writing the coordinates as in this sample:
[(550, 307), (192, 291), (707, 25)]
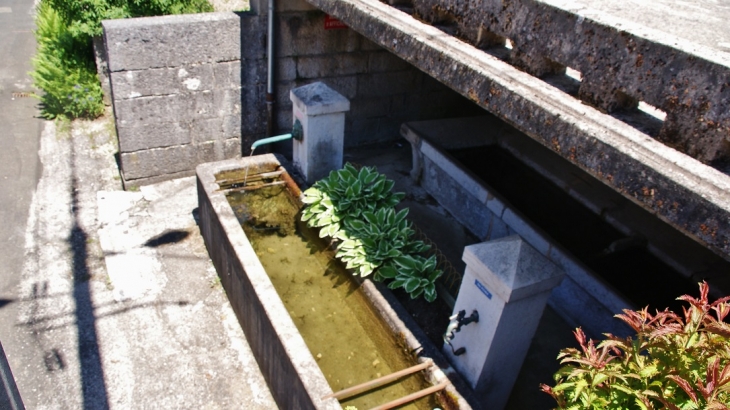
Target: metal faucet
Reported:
[(455, 323)]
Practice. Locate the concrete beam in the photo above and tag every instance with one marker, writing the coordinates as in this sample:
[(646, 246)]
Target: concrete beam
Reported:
[(630, 51), (691, 196)]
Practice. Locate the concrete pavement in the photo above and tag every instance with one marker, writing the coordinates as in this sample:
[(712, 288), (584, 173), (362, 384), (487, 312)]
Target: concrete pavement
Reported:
[(19, 164), (118, 300), (154, 332)]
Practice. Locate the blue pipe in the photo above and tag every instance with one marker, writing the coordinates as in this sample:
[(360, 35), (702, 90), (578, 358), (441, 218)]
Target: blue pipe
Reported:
[(296, 133), (270, 140)]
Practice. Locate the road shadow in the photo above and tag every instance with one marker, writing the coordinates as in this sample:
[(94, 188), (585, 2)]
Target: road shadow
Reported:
[(93, 385), (167, 237)]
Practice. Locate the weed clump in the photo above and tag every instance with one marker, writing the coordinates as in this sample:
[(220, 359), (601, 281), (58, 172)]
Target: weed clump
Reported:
[(64, 66)]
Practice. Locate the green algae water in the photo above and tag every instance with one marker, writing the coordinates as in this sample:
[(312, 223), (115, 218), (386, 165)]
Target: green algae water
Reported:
[(348, 340)]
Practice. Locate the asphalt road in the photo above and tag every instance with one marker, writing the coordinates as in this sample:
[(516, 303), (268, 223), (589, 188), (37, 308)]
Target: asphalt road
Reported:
[(20, 167)]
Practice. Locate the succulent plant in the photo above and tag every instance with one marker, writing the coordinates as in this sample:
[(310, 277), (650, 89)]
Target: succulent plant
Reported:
[(347, 193), (383, 235), (357, 209), (414, 273)]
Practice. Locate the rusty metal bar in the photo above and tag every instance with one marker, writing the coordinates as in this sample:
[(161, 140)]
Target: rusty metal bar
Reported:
[(351, 391), (415, 396)]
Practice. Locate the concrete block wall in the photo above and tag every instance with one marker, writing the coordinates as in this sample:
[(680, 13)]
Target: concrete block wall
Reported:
[(384, 90), (621, 63), (185, 90), (191, 89)]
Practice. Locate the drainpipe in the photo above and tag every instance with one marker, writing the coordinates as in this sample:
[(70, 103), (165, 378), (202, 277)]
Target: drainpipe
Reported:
[(270, 72)]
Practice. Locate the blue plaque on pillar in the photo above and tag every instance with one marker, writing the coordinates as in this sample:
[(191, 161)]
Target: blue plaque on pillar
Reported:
[(483, 288)]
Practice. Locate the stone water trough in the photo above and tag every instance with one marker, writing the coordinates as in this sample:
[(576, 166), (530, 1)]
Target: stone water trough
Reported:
[(291, 370)]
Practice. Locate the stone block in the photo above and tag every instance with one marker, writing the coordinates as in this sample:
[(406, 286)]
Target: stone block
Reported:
[(170, 108), (303, 33), (286, 69), (207, 129), (282, 90), (431, 84), (468, 210), (148, 109), (382, 61), (253, 120), (345, 85), (172, 41), (157, 161), (234, 74), (529, 232), (228, 102), (180, 158), (580, 309), (382, 84), (162, 81), (254, 72), (360, 131), (153, 135), (497, 228), (369, 45), (363, 108), (284, 119), (231, 126), (331, 65)]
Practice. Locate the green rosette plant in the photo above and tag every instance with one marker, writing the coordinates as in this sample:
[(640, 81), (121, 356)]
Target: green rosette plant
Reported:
[(674, 362), (357, 209), (383, 235), (414, 273), (344, 195)]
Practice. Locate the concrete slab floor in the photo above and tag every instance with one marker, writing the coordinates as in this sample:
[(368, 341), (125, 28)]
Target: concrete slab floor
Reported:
[(118, 304)]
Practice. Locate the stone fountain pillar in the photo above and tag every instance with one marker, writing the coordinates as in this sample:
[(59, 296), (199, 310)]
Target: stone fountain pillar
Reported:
[(321, 112), (508, 283)]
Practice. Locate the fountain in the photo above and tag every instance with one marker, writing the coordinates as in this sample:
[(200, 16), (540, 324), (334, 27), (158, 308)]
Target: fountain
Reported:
[(284, 285), (271, 291)]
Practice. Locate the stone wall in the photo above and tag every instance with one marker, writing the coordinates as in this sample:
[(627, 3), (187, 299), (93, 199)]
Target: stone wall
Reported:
[(191, 89), (678, 189), (621, 63), (384, 91), (177, 90)]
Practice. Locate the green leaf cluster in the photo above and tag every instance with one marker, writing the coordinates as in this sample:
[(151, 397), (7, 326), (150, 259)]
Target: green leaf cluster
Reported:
[(357, 208), (64, 67), (674, 362), (83, 17)]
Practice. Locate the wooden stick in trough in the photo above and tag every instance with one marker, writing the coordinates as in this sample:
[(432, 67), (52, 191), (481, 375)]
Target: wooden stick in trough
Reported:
[(253, 187), (251, 178), (351, 391), (415, 396)]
